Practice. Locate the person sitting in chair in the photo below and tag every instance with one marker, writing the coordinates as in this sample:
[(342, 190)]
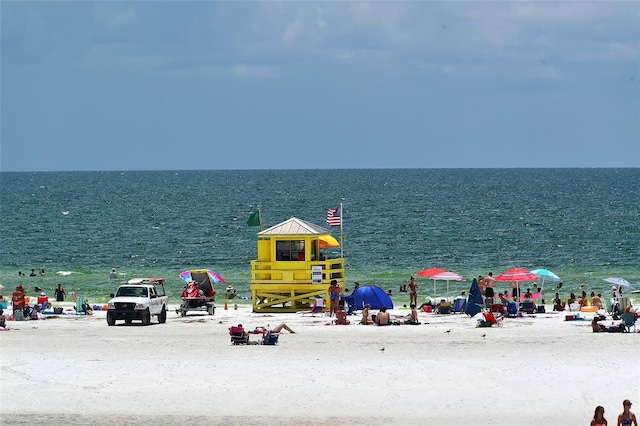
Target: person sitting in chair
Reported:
[(238, 332)]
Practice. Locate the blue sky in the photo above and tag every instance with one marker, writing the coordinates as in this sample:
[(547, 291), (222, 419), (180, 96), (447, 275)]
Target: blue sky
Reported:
[(297, 85)]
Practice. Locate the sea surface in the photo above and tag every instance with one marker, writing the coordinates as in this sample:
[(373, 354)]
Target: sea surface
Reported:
[(582, 224)]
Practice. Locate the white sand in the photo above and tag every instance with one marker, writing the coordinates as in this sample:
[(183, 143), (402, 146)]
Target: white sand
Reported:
[(534, 370)]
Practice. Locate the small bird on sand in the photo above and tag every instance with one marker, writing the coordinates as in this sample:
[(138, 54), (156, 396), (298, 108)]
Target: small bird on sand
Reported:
[(483, 336), (382, 349), (448, 331)]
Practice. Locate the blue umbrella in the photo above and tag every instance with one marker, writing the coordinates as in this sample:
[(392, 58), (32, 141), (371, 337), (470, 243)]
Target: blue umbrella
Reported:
[(620, 282), (545, 273), (372, 295), (475, 302)]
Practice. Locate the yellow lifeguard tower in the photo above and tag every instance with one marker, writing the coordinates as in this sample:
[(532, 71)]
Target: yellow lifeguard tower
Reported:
[(291, 269)]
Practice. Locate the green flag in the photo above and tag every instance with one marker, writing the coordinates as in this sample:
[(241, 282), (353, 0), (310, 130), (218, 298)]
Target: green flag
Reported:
[(254, 218)]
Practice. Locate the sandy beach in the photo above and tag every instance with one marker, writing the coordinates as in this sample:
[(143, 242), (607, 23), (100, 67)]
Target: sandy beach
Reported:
[(537, 369)]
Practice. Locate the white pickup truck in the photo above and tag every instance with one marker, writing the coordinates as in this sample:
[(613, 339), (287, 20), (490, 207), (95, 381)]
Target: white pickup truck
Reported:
[(139, 299)]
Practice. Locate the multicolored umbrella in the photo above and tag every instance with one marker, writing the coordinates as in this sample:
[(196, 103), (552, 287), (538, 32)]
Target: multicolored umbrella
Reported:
[(516, 276), (215, 277)]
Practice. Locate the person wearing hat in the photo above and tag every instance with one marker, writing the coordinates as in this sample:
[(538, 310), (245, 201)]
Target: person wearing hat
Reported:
[(627, 417)]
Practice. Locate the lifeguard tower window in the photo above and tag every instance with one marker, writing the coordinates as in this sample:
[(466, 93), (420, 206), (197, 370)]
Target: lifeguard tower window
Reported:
[(289, 250)]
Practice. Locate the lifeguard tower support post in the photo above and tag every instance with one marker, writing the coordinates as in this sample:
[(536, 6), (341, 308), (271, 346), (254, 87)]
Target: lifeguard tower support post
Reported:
[(291, 269)]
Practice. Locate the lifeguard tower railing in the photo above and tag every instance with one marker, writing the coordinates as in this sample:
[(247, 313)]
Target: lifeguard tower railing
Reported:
[(279, 286)]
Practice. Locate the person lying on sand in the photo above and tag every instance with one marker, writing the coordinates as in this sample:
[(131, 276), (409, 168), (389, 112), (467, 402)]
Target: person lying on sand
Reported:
[(277, 329)]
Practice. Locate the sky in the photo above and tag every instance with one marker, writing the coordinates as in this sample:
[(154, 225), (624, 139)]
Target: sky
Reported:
[(210, 85)]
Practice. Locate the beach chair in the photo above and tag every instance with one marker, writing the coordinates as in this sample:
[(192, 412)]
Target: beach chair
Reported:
[(629, 320), (444, 308), (528, 307), (270, 338), (317, 308), (238, 336), (459, 305), (512, 309), (497, 307), (493, 318)]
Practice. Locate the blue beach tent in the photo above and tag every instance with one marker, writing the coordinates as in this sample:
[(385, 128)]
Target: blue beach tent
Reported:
[(475, 302), (371, 294)]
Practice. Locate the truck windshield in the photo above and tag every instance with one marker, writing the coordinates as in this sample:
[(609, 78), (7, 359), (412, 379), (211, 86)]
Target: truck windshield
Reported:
[(132, 292)]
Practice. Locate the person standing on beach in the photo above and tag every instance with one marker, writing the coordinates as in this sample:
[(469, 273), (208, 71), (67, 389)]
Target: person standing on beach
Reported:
[(413, 292), (113, 274), (489, 283), (60, 293), (598, 417), (334, 297), (627, 417)]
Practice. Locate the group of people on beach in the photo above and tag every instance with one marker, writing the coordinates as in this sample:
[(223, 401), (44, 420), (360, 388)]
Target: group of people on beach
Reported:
[(626, 418)]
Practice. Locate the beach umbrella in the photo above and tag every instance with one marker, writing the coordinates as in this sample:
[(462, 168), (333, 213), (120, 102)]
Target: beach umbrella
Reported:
[(620, 282), (516, 276), (429, 273), (446, 276), (215, 277), (475, 303), (545, 274), (372, 295)]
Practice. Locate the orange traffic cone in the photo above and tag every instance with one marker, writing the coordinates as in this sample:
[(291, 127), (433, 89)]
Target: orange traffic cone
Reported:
[(225, 306)]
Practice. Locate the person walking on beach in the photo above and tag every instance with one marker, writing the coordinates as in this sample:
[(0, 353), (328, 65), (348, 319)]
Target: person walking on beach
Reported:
[(598, 417), (413, 292), (334, 297), (627, 417), (60, 293)]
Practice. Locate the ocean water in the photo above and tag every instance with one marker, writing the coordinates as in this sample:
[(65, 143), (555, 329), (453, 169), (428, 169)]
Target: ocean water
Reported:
[(582, 224)]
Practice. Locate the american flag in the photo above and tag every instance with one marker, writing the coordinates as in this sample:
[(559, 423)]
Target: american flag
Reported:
[(334, 216)]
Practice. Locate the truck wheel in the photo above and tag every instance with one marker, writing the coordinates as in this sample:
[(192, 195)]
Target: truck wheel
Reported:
[(162, 317), (146, 317), (210, 309), (110, 319)]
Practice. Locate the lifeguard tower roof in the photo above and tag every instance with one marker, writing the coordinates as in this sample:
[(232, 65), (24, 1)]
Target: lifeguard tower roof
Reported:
[(295, 226)]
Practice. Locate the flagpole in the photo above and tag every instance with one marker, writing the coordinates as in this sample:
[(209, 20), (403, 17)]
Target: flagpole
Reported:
[(260, 217), (341, 234)]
